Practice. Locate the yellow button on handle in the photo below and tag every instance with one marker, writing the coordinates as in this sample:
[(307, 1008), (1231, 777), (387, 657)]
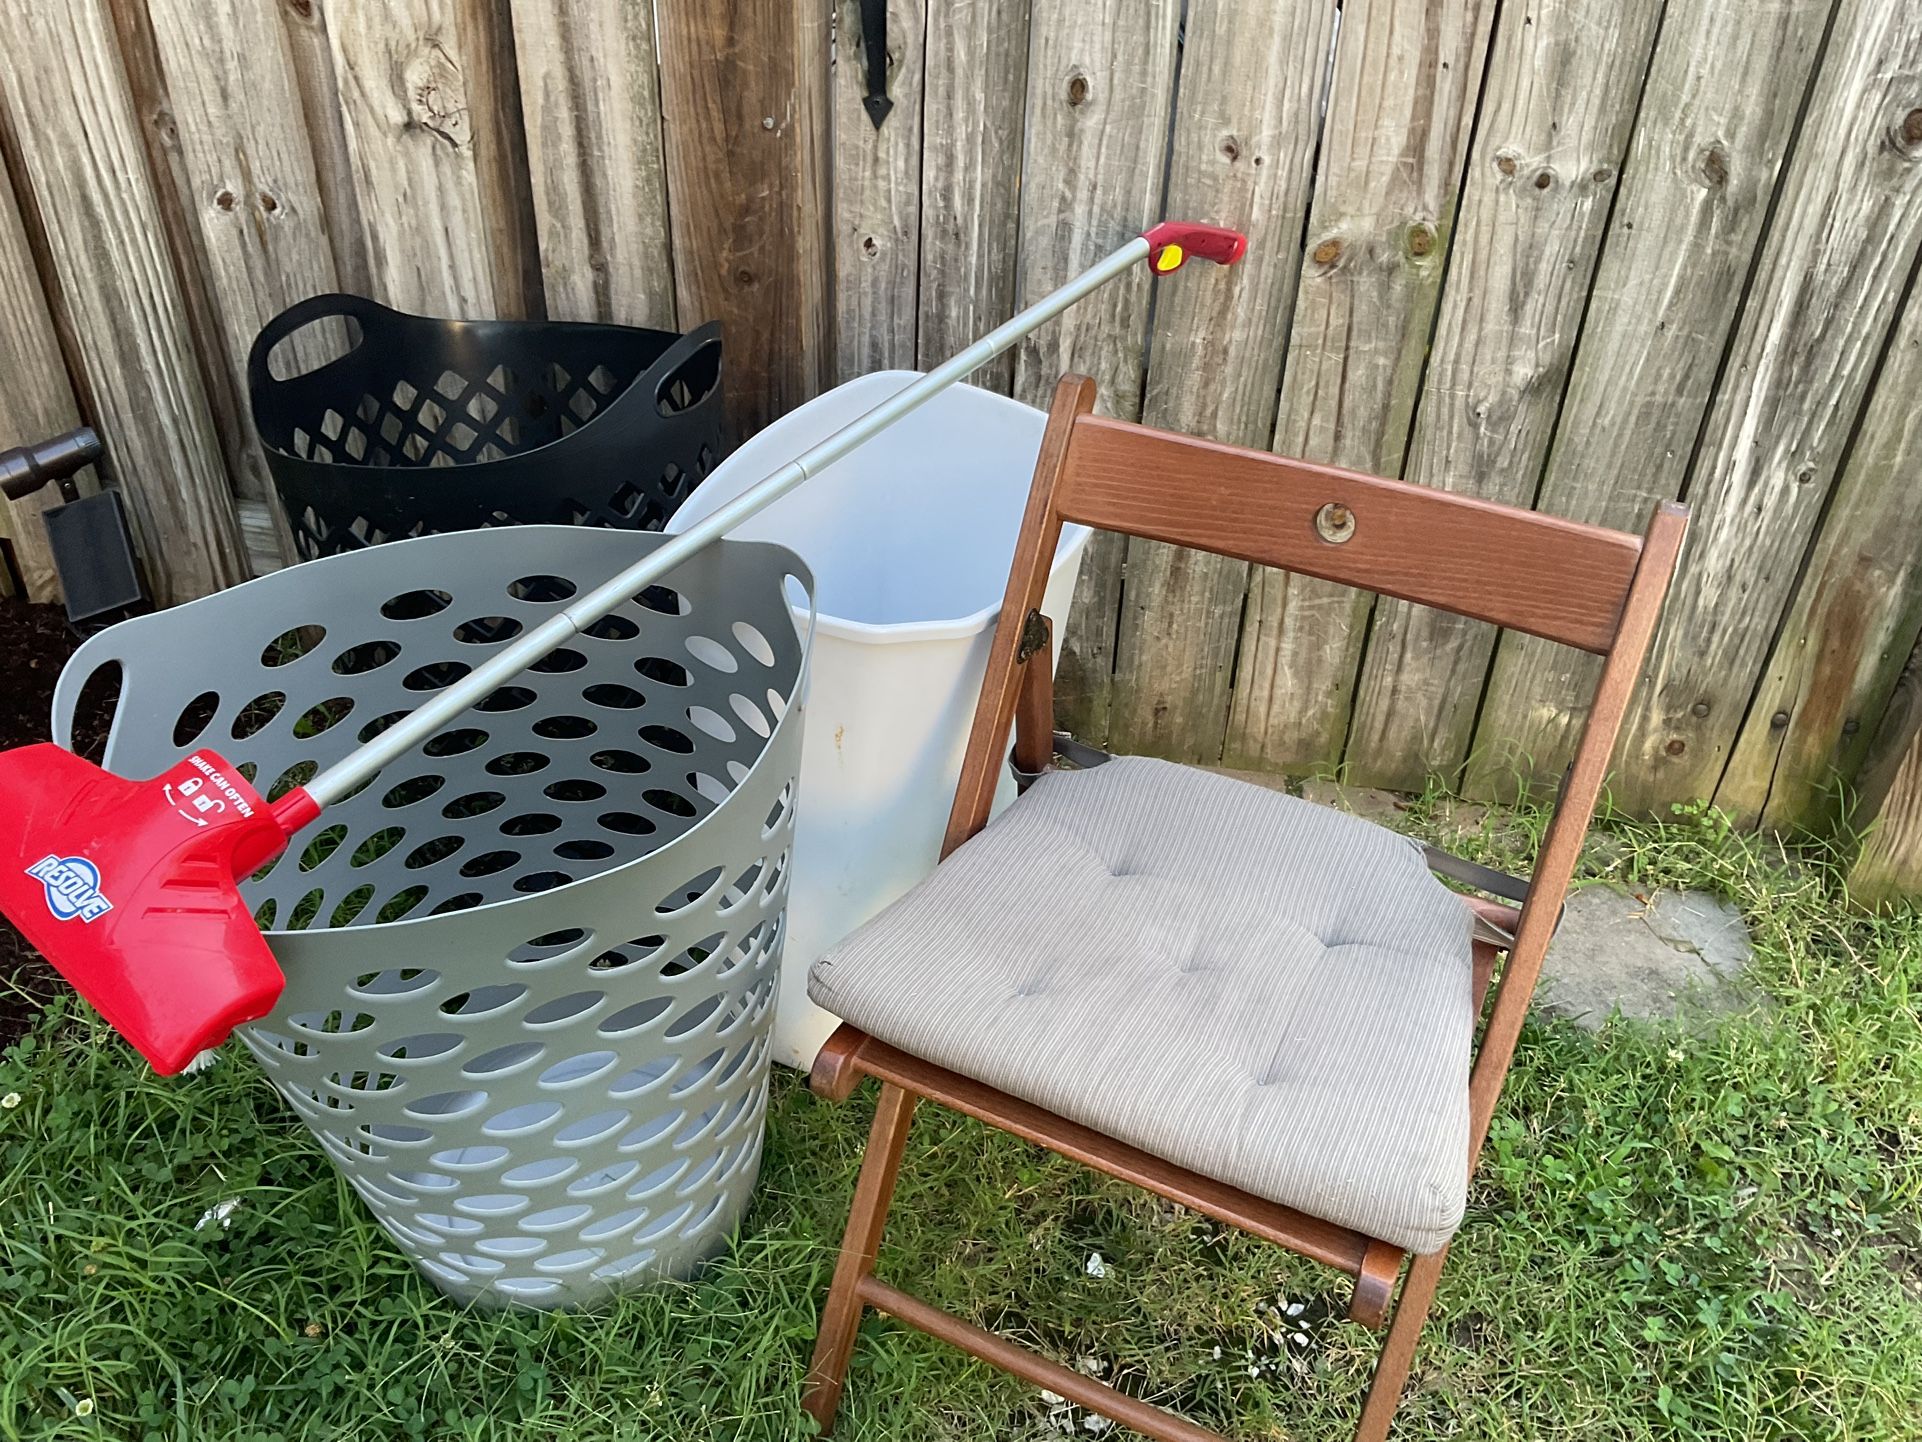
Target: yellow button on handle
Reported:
[(1168, 258)]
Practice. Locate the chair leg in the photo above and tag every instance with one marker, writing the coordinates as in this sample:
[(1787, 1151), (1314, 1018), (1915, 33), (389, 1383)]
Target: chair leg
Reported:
[(841, 1316), (1398, 1352)]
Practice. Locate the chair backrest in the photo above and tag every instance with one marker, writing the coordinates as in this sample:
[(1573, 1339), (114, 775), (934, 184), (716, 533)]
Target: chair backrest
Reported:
[(1520, 569), (1584, 586)]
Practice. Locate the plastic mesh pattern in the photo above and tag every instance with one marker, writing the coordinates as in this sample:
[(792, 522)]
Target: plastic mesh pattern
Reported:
[(429, 425), (531, 966)]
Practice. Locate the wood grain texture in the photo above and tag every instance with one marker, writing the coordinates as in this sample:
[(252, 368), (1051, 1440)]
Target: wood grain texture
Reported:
[(1716, 117), (305, 22), (1398, 1352), (1100, 93), (1888, 869), (877, 196), (1492, 562), (1399, 113), (1847, 229), (1855, 617), (1888, 866), (245, 181), (37, 400), (1252, 81), (744, 89), (591, 99), (175, 191), (867, 1217), (82, 152), (975, 91), (500, 152), (1542, 172), (413, 113)]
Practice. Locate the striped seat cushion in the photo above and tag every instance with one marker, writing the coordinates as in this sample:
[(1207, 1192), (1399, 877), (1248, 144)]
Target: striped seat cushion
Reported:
[(1263, 990)]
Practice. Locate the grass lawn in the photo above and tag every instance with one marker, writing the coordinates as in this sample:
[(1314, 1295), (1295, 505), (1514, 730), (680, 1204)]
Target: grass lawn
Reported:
[(1686, 1231)]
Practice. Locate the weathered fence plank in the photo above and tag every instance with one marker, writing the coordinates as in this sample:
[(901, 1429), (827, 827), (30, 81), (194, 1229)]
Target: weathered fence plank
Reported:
[(975, 94), (590, 94), (1888, 868), (1406, 76), (1243, 155), (500, 153), (247, 184), (1717, 115), (72, 116), (1100, 91), (313, 59), (744, 91), (877, 195), (37, 400), (1854, 620), (175, 191), (413, 112), (1541, 175), (1833, 267)]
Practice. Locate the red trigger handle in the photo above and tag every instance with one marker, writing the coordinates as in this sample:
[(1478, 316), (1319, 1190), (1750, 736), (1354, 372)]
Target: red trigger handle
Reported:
[(1173, 242)]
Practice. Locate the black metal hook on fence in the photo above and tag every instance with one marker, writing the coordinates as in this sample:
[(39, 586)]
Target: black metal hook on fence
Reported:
[(874, 40)]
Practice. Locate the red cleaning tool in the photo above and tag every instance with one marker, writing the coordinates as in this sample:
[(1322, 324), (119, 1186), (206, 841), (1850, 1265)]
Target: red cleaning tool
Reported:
[(131, 888)]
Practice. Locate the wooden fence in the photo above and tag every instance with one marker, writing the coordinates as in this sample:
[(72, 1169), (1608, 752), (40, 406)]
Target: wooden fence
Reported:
[(1578, 254)]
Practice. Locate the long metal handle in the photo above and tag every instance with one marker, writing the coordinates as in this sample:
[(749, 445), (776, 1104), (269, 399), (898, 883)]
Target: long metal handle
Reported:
[(345, 775)]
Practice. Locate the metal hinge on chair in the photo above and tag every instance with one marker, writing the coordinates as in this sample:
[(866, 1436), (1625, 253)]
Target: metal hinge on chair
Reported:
[(1492, 882), (1485, 879), (1078, 754), (1034, 637)]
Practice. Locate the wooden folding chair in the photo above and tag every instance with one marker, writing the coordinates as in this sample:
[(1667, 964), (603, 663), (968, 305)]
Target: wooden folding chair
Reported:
[(1594, 589)]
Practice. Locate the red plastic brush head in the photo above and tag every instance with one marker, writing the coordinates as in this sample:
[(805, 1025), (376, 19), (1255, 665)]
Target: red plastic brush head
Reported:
[(130, 889)]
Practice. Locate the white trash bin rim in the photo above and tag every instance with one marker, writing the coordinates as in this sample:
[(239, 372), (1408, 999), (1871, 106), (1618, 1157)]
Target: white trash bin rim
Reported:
[(923, 564)]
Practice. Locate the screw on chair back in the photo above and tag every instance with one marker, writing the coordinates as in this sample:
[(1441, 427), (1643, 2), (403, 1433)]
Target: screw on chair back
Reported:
[(1593, 589)]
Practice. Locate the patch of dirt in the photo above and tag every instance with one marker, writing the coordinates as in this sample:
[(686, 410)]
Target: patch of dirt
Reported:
[(34, 646)]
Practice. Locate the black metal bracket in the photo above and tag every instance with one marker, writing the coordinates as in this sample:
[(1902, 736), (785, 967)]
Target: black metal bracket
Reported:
[(874, 40)]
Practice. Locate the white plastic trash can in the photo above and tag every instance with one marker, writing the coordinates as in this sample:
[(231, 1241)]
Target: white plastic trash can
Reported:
[(910, 539)]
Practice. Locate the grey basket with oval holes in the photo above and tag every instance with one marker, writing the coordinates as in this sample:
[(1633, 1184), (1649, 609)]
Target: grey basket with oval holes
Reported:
[(531, 966)]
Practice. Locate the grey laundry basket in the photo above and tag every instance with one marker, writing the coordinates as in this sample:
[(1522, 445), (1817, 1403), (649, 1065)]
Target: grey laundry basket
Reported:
[(531, 966)]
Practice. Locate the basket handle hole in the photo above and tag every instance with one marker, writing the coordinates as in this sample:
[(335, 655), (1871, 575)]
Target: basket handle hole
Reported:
[(690, 382), (99, 697), (308, 348)]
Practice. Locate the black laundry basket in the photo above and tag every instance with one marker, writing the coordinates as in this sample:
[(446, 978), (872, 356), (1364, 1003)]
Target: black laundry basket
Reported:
[(428, 425)]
